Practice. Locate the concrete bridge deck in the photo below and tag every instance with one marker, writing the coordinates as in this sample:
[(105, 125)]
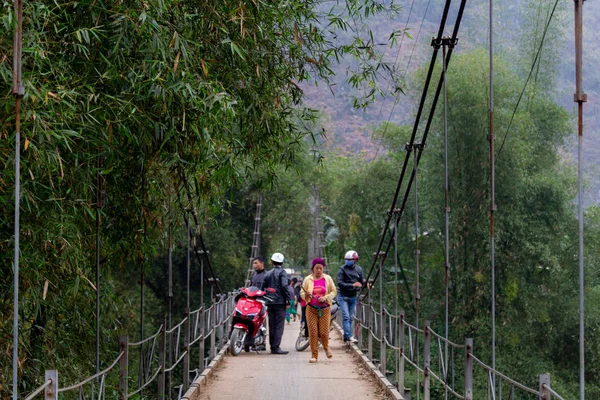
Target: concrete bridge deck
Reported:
[(270, 376)]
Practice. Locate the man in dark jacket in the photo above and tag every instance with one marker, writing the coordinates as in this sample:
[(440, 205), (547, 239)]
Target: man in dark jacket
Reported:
[(350, 280), (258, 263), (275, 284)]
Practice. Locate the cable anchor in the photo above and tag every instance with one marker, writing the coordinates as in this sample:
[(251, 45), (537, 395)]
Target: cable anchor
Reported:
[(396, 210), (449, 42), (436, 43)]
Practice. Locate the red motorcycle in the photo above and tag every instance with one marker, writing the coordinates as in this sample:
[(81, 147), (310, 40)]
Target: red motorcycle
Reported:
[(247, 324)]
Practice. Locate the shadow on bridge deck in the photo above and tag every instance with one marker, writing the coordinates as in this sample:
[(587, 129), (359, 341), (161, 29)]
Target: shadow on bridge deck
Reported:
[(269, 376)]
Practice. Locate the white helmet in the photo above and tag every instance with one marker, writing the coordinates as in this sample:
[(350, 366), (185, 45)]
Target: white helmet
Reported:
[(351, 255), (277, 257)]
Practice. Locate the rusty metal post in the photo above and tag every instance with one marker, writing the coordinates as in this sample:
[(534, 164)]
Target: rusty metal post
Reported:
[(580, 98), (18, 91), (396, 295), (162, 343), (213, 323), (370, 326), (186, 349), (447, 42), (360, 317), (492, 140), (98, 243), (545, 387), (426, 361), (123, 367), (401, 355), (201, 341), (383, 347), (468, 369), (382, 350), (221, 328), (417, 147), (51, 391), (203, 327)]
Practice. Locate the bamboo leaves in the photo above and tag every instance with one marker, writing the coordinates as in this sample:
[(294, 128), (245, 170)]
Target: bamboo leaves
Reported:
[(204, 89)]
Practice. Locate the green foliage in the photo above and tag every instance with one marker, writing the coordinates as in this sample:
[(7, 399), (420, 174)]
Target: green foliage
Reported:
[(176, 105), (536, 238), (535, 229)]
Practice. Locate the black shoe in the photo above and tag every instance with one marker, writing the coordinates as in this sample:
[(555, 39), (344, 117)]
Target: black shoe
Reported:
[(279, 351)]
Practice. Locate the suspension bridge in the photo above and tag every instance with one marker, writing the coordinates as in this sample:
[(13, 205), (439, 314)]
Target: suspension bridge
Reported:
[(395, 357)]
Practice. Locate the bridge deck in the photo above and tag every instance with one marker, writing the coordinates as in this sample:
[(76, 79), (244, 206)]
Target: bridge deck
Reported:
[(269, 376)]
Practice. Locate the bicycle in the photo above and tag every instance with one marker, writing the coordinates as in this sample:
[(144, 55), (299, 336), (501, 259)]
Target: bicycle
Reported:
[(302, 341)]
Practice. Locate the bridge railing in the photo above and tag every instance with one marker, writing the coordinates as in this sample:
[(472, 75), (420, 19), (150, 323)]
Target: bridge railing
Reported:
[(157, 358), (394, 345)]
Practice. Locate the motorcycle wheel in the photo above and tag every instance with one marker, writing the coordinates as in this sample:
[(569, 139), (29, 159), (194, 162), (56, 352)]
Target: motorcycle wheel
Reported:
[(236, 343), (302, 342)]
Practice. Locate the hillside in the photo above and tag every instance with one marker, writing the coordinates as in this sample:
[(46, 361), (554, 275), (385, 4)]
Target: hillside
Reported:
[(516, 39)]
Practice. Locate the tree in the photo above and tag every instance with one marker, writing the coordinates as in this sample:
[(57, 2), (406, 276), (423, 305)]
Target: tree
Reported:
[(172, 104), (533, 194)]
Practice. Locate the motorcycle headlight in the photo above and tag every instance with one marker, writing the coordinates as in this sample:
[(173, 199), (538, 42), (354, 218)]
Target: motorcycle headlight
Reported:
[(250, 316)]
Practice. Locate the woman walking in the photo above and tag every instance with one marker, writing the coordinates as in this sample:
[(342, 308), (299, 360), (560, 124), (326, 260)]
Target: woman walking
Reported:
[(318, 291)]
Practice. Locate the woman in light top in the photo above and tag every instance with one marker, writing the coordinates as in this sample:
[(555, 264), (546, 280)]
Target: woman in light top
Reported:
[(318, 291)]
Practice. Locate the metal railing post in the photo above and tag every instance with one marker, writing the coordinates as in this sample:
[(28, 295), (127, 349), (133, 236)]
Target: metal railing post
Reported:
[(544, 387), (213, 322), (221, 318), (123, 367), (228, 313), (370, 337), (426, 361), (162, 344), (382, 347), (201, 341), (468, 369), (51, 392), (186, 349), (401, 355), (359, 321)]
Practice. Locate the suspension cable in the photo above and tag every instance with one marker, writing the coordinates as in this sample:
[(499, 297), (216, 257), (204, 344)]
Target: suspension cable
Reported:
[(389, 83), (417, 149), (445, 45), (400, 210), (18, 91), (580, 98), (254, 252), (492, 140), (98, 243), (412, 139), (203, 251), (535, 60)]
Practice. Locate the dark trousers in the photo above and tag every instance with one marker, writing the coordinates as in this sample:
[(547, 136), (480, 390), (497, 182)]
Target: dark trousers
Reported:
[(276, 313), (303, 321)]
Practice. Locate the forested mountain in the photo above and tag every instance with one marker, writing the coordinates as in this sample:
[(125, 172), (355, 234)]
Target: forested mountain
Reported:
[(518, 30)]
